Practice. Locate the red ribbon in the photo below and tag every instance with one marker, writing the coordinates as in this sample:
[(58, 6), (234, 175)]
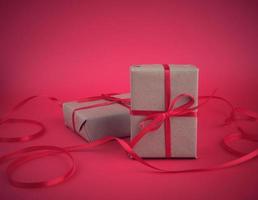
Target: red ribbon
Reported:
[(25, 138), (35, 152), (157, 118), (110, 99), (24, 155)]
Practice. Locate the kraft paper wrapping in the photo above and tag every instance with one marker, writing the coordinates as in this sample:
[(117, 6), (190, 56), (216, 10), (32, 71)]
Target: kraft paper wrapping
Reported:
[(147, 93), (98, 122)]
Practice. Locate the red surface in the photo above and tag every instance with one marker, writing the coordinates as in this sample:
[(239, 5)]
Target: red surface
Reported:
[(77, 49)]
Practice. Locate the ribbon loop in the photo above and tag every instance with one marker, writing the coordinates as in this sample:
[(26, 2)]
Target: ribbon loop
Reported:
[(181, 97), (6, 119)]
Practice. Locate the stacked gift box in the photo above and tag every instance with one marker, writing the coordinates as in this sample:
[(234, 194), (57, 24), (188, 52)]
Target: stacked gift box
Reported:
[(158, 117)]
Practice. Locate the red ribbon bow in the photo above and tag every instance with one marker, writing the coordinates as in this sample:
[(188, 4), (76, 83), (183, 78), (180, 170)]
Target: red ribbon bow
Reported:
[(183, 110), (157, 118)]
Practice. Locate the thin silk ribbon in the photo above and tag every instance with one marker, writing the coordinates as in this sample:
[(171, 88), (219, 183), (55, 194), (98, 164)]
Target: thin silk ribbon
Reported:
[(6, 119), (167, 92), (24, 155)]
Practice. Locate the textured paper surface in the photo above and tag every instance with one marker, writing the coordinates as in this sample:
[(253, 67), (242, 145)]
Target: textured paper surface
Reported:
[(98, 122), (147, 93)]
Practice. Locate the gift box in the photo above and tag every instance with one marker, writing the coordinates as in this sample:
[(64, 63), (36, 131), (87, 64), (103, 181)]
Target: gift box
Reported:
[(97, 117), (171, 132)]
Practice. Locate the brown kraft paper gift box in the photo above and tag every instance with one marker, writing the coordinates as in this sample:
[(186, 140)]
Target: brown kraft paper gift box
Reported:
[(100, 121), (147, 93)]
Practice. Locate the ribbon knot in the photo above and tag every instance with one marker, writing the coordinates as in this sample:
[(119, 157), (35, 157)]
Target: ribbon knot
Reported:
[(155, 120), (111, 98), (182, 110), (124, 102), (167, 114)]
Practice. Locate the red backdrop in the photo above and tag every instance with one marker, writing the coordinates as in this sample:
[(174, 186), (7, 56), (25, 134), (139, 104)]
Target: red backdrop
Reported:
[(72, 49)]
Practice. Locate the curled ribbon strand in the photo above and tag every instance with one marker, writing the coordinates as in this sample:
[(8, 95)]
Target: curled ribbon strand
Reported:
[(7, 119), (36, 152), (24, 155)]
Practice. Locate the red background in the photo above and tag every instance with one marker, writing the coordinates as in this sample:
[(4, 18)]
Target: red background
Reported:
[(73, 49)]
